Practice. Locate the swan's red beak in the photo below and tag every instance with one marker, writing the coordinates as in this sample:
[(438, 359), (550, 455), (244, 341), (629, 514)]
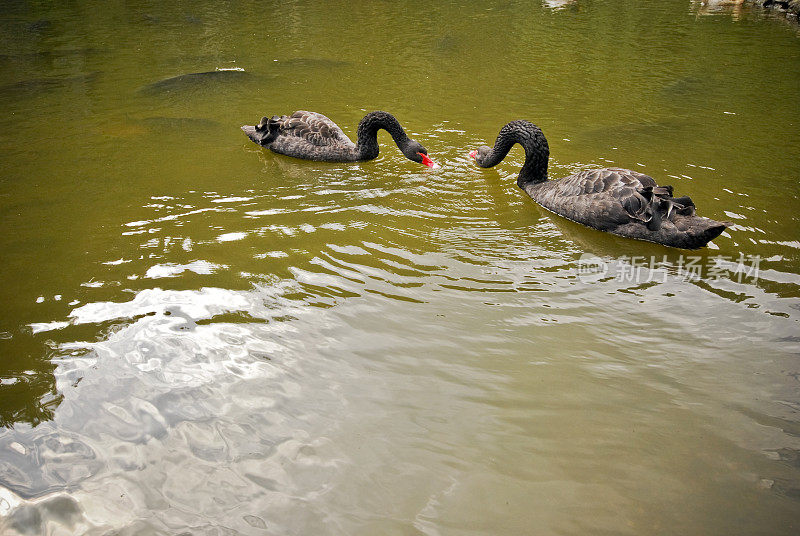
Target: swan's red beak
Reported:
[(427, 161), (473, 153)]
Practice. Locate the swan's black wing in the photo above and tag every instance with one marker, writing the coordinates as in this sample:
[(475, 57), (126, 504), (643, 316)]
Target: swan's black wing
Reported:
[(612, 196), (627, 203), (311, 127)]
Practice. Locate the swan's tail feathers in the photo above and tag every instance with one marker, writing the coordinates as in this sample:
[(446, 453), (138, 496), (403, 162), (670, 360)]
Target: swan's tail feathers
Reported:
[(662, 191), (661, 206), (251, 132), (268, 128), (684, 205), (711, 230), (656, 207), (694, 232), (264, 132)]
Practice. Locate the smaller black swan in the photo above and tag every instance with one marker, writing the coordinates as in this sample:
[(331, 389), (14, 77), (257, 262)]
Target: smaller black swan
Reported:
[(312, 136), (615, 200)]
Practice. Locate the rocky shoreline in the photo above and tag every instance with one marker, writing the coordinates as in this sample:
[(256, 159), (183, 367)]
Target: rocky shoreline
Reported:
[(790, 7)]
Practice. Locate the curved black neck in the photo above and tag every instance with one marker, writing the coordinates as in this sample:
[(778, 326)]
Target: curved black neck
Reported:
[(537, 152), (367, 141)]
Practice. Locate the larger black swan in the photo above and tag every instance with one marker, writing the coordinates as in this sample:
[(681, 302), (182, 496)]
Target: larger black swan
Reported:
[(312, 136), (616, 200)]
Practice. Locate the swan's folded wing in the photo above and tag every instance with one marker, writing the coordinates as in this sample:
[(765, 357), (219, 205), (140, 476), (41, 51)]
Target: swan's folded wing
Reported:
[(637, 193), (645, 201), (618, 194), (616, 182), (312, 127)]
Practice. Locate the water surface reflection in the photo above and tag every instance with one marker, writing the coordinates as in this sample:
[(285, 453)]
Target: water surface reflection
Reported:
[(200, 335)]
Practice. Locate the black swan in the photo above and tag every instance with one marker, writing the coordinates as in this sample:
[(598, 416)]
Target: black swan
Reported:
[(616, 200), (313, 136)]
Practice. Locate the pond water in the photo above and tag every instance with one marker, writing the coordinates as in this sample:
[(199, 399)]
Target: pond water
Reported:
[(201, 337)]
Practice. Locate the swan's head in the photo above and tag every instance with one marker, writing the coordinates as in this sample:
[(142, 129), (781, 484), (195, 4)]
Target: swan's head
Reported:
[(416, 152), (480, 154)]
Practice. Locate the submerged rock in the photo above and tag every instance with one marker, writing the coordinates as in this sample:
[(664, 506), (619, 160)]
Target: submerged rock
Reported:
[(190, 81)]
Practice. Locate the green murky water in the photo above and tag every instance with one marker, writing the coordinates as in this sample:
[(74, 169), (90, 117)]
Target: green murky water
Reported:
[(198, 335)]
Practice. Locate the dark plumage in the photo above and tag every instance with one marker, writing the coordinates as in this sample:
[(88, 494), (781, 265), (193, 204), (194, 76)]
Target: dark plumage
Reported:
[(312, 136), (616, 200)]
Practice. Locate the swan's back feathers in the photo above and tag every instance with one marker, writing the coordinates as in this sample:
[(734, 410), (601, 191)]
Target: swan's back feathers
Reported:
[(311, 127), (621, 194), (638, 194), (614, 181), (304, 134), (629, 203)]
